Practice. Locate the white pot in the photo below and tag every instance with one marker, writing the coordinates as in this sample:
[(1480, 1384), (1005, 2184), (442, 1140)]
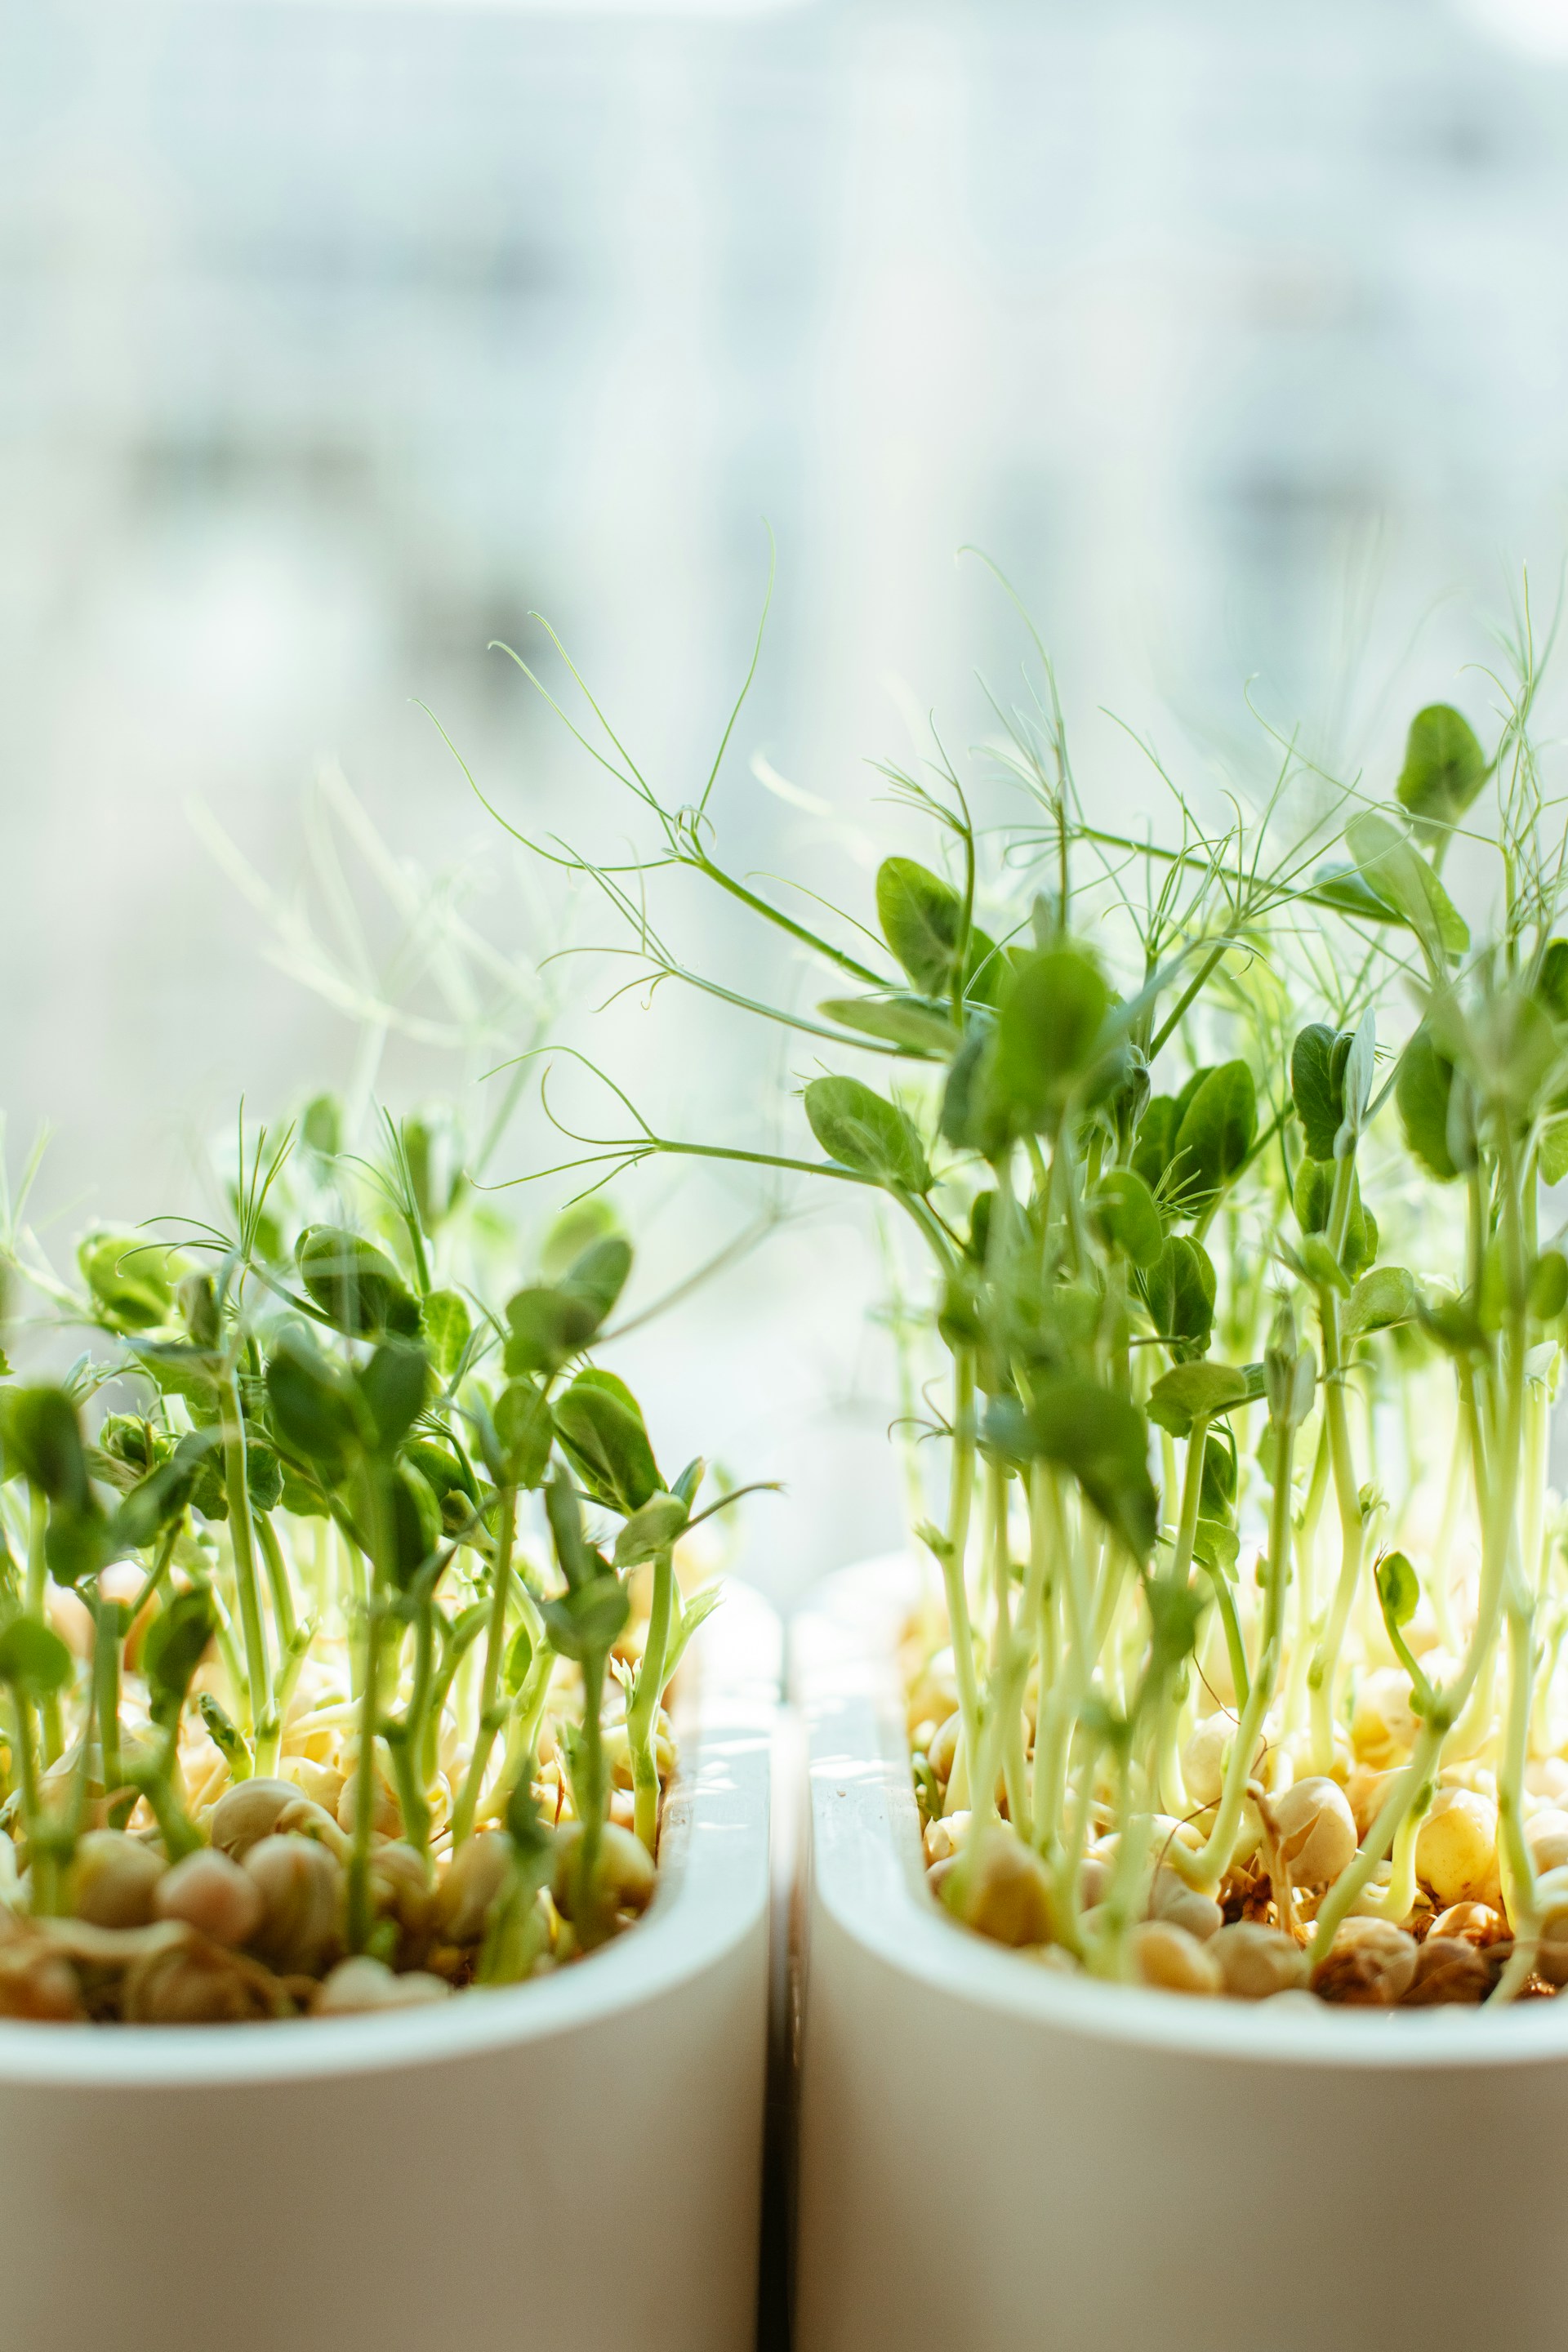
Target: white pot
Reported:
[(573, 2164), (996, 2156)]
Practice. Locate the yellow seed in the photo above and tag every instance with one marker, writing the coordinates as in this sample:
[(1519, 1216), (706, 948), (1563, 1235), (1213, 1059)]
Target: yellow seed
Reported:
[(246, 1813), (1255, 1961), (1006, 1890), (114, 1879), (359, 1986), (1456, 1848), (943, 1747), (194, 1982), (1470, 1923), (301, 1885), (1546, 1835), (1317, 1830), (1171, 1899), (1169, 1959), (212, 1892), (304, 1818), (37, 1983), (1382, 1728), (1370, 1965), (472, 1880), (626, 1868)]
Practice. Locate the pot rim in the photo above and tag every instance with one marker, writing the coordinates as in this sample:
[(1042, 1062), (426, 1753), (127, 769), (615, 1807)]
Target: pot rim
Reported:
[(704, 1904), (868, 1870)]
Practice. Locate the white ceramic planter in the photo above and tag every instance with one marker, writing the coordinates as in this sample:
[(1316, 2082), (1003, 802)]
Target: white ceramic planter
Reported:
[(573, 2164), (992, 2155)]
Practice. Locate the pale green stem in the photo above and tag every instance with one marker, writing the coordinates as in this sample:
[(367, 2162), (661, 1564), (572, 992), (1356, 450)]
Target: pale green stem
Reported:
[(241, 1535), (490, 1720), (642, 1715)]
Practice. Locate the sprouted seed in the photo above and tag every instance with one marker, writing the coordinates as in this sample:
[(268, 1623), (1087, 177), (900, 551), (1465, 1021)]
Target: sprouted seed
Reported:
[(1226, 1149), (339, 1605)]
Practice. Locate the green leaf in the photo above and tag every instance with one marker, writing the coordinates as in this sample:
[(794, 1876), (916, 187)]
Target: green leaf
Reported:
[(974, 1116), (1175, 1613), (1398, 1589), (1317, 1087), (313, 1406), (395, 1385), (1051, 1038), (132, 1279), (322, 1126), (1217, 1544), (1390, 865), (1551, 984), (1179, 1292), (1322, 1267), (587, 1621), (1216, 1135), (580, 1563), (1423, 1092), (77, 1544), (355, 1284), (601, 1431), (1313, 1201), (445, 1324), (1444, 770), (1096, 1434), (1156, 1140), (1549, 1286), (862, 1131), (915, 1023), (32, 1658), (1218, 1491), (1341, 887), (157, 1500), (177, 1642), (518, 1658), (1191, 1393), (652, 1529), (1123, 1207), (42, 1439), (1554, 1160), (525, 1434), (552, 1323), (574, 1233), (921, 916), (697, 1612), (1379, 1300), (181, 1370)]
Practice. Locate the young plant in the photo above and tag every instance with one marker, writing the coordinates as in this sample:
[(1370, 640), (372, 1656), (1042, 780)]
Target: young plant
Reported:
[(319, 1693), (1185, 1692)]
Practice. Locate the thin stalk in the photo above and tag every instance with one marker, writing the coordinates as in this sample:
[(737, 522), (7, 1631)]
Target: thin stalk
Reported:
[(241, 1533), (642, 1715), (490, 1719)]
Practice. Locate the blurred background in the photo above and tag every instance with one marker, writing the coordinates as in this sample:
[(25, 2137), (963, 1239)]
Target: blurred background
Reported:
[(339, 339)]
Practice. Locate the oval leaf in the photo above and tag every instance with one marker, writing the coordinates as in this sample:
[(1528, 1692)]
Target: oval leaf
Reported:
[(864, 1132)]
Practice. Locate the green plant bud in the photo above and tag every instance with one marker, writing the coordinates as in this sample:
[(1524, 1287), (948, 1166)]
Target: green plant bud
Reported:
[(1371, 1964), (301, 1885), (1255, 1961), (114, 1879), (131, 1279), (626, 1868), (194, 1982), (246, 1813), (357, 1988), (212, 1893), (473, 1878)]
